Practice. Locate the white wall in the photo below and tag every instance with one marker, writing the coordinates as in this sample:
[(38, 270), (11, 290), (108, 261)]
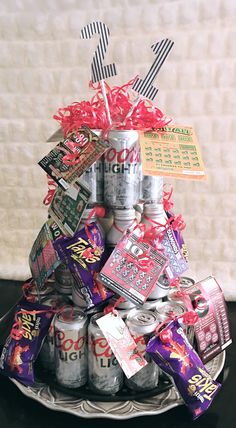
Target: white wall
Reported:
[(45, 65)]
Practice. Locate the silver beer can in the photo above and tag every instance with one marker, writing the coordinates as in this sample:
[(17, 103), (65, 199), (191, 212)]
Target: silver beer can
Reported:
[(122, 169), (71, 348), (161, 288), (151, 305), (151, 189), (164, 309), (94, 179), (142, 324), (184, 284), (104, 372), (64, 279), (46, 355)]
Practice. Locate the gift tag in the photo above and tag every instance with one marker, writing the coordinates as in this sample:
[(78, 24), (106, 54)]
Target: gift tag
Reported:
[(72, 157), (172, 151), (212, 329), (122, 344), (176, 262), (133, 269), (68, 206), (43, 259)]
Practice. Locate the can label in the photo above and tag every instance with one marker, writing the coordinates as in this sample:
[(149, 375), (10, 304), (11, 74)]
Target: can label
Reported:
[(102, 352), (70, 345), (122, 171)]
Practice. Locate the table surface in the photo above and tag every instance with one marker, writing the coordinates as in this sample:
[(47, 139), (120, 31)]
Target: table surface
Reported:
[(18, 411)]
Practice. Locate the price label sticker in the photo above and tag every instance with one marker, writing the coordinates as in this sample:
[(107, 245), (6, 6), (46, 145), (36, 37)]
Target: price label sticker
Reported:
[(172, 151), (122, 344)]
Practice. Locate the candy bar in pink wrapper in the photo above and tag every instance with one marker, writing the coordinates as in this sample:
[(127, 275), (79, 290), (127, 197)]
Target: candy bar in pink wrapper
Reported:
[(84, 256), (30, 327), (174, 354)]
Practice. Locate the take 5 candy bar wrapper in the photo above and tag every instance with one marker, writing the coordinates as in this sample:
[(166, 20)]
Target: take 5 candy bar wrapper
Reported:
[(23, 345), (175, 356), (84, 256)]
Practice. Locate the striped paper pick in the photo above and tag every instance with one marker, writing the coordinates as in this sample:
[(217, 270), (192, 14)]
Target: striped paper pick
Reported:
[(99, 72), (144, 86)]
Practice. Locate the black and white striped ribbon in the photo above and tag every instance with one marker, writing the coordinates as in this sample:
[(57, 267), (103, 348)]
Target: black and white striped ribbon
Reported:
[(99, 72), (144, 86)]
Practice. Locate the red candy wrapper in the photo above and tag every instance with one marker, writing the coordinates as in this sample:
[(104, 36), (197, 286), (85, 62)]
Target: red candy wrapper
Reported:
[(22, 346), (174, 354)]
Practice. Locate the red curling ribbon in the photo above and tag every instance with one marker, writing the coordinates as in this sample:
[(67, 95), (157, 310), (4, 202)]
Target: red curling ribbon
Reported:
[(188, 318), (123, 230), (26, 287), (99, 286), (166, 200), (100, 212), (177, 223), (112, 306), (92, 113), (52, 186)]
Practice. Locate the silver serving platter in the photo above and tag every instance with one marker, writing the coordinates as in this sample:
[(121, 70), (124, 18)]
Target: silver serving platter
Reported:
[(156, 405)]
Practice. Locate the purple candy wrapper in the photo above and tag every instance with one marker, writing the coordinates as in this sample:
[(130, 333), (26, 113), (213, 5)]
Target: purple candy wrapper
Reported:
[(19, 354), (75, 252), (174, 354)]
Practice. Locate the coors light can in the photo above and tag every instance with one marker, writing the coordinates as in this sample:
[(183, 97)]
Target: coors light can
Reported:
[(122, 169), (141, 324), (105, 373), (151, 189), (71, 348), (46, 355)]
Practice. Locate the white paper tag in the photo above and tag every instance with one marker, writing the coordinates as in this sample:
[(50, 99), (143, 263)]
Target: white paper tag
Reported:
[(122, 344)]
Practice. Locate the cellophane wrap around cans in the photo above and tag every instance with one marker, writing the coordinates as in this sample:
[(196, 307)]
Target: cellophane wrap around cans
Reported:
[(122, 169), (174, 354), (81, 265), (18, 355), (71, 359)]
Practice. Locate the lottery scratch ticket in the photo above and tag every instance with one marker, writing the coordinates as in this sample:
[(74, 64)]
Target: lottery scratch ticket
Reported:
[(68, 206), (43, 259), (172, 151), (89, 148), (123, 273)]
